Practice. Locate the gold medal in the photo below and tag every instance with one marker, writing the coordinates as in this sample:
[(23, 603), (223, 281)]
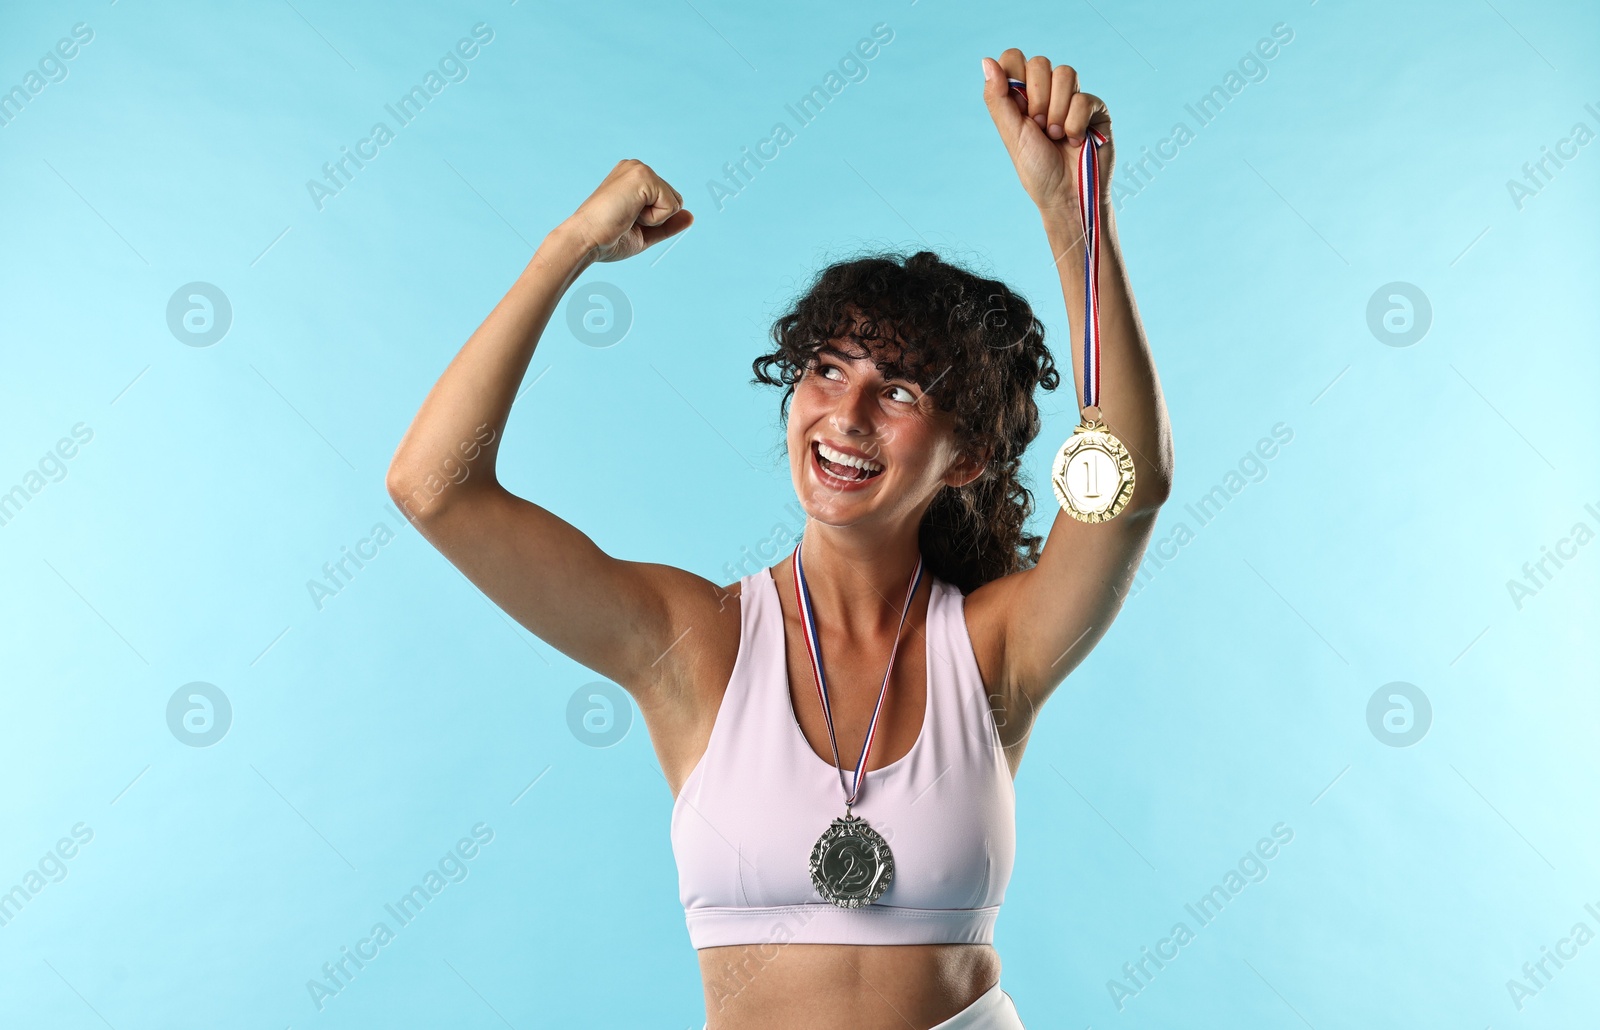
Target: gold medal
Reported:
[(1093, 473)]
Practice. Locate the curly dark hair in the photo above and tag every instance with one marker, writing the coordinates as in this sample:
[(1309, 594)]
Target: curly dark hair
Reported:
[(975, 348)]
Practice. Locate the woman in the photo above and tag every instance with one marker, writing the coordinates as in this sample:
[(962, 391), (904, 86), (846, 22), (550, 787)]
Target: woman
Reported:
[(911, 389)]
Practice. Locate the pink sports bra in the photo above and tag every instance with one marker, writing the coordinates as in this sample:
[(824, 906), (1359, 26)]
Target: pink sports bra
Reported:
[(745, 821)]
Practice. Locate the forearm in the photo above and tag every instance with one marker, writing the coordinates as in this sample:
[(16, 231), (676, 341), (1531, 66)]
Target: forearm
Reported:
[(1131, 404), (452, 442)]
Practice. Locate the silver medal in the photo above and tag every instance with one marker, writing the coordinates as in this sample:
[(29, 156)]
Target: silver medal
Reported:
[(851, 864)]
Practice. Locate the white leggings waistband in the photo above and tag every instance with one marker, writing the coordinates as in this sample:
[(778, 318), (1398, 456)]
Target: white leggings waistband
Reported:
[(992, 1010)]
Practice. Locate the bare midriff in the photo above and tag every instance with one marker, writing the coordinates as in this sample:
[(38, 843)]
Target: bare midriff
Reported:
[(861, 987)]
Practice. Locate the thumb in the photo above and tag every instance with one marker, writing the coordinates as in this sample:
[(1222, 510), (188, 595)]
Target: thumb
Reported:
[(997, 98), (671, 226)]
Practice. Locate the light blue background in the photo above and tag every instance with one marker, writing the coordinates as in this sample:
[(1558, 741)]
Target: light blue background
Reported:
[(369, 736)]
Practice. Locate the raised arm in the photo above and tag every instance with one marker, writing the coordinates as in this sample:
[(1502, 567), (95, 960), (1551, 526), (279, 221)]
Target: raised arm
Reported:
[(1054, 613), (612, 616)]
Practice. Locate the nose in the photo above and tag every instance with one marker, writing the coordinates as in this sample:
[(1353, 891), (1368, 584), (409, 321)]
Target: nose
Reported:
[(851, 415)]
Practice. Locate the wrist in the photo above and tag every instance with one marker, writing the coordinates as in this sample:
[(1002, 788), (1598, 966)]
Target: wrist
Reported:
[(1063, 223), (566, 247)]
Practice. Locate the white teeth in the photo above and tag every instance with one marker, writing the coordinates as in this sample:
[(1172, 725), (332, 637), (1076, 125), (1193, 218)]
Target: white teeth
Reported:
[(839, 458)]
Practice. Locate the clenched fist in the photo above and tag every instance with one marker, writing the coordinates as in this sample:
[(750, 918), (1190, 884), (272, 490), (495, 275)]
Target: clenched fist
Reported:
[(630, 210), (1043, 131)]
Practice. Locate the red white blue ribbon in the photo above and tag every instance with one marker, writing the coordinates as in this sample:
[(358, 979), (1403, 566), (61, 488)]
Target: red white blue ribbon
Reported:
[(808, 620), (1089, 208)]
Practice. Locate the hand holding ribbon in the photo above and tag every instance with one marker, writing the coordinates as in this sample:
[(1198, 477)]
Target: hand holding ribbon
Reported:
[(1044, 125)]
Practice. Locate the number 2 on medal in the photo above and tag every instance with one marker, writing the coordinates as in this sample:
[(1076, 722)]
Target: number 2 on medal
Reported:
[(852, 874)]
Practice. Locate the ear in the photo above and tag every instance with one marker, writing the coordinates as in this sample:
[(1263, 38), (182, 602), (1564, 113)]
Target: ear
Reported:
[(970, 467)]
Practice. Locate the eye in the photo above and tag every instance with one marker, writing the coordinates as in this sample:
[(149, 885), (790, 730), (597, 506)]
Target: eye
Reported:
[(818, 367), (910, 398)]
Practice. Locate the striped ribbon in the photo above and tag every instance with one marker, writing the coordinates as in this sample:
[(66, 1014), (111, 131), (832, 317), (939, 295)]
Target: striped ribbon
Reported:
[(808, 622), (1089, 208)]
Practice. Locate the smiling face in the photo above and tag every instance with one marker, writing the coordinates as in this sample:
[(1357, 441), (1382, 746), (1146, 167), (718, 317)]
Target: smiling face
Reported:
[(867, 448)]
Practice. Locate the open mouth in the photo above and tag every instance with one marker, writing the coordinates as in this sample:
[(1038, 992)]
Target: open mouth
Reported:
[(842, 472)]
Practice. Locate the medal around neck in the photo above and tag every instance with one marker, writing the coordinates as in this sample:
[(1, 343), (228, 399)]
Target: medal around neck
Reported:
[(851, 865), (1093, 472)]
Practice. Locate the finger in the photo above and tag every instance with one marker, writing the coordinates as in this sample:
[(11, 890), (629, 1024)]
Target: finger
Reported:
[(1063, 84), (658, 201), (1016, 67), (1014, 63), (661, 202), (1038, 80), (1086, 109), (997, 97)]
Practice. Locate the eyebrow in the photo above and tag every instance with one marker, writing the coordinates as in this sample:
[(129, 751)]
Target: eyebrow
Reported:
[(893, 370)]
